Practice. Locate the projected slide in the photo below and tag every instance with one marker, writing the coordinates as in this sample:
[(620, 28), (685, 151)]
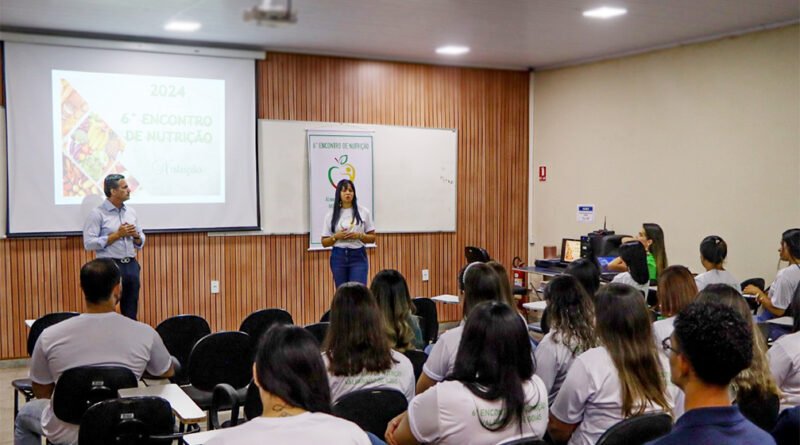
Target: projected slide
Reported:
[(165, 134)]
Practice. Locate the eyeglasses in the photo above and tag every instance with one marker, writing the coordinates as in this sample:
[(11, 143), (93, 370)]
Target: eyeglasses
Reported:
[(667, 345)]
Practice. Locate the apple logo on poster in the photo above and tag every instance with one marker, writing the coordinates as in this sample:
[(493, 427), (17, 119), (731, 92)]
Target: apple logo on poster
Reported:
[(342, 170)]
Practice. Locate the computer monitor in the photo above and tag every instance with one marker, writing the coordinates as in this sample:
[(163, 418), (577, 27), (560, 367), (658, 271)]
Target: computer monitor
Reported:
[(570, 249)]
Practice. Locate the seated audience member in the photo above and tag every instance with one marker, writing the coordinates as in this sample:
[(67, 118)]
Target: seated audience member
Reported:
[(754, 389), (356, 352), (712, 343), (713, 251), (571, 315), (784, 360), (588, 274), (293, 385), (634, 256), (787, 431), (652, 238), (676, 289), (491, 395), (786, 281), (402, 328), (622, 378), (481, 283), (100, 336), (505, 283)]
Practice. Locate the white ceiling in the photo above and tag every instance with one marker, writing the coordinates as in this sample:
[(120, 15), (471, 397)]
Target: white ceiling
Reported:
[(501, 33)]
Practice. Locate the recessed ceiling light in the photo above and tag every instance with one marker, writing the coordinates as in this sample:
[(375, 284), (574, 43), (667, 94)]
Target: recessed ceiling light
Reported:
[(604, 12), (452, 50), (176, 25)]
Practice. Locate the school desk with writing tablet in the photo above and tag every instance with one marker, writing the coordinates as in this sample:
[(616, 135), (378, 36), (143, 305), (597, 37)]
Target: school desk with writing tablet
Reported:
[(182, 406)]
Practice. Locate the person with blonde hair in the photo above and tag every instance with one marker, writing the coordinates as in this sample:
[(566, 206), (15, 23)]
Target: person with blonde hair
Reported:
[(676, 289)]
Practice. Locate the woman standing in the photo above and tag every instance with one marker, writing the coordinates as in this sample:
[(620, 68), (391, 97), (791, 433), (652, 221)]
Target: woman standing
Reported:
[(348, 228)]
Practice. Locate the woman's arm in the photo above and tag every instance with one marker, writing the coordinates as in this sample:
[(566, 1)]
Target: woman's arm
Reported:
[(328, 241), (617, 265), (560, 431), (398, 431), (764, 300), (424, 383)]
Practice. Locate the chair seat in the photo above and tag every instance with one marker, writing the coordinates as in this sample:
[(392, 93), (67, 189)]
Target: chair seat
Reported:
[(203, 398), (23, 385)]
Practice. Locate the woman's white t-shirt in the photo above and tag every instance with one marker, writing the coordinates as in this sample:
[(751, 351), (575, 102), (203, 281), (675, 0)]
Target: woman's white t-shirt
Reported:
[(348, 222), (626, 278), (442, 359), (399, 377), (553, 360), (448, 413), (784, 364), (591, 396), (782, 289), (302, 429), (716, 276)]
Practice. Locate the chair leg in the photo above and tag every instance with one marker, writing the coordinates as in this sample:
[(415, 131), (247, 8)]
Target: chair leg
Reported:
[(16, 403)]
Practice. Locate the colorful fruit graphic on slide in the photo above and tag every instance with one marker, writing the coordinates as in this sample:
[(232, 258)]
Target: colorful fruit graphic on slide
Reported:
[(342, 170)]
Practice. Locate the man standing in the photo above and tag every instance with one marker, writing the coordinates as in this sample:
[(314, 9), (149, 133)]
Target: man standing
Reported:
[(711, 344), (112, 230), (99, 336)]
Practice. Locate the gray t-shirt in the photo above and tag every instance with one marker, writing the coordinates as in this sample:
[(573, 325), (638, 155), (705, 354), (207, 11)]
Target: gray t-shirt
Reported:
[(716, 276)]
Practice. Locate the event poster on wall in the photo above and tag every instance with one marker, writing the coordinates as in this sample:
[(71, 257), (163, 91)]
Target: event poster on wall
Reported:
[(332, 156)]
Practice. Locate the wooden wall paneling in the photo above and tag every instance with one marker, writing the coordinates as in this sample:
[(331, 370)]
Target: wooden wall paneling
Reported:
[(489, 109)]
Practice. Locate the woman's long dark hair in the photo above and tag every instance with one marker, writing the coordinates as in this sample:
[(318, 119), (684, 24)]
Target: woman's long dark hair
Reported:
[(505, 283), (481, 283), (676, 289), (624, 328), (391, 291), (714, 249), (288, 365), (356, 341), (571, 312), (653, 232), (494, 360), (791, 238), (337, 204), (635, 258), (587, 273)]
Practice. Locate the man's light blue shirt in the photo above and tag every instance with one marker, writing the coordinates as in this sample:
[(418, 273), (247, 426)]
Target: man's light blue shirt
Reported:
[(104, 220)]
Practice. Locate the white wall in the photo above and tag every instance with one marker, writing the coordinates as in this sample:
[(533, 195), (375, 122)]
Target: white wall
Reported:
[(702, 139)]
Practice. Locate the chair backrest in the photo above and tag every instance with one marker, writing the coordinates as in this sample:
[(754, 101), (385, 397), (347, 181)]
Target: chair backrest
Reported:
[(371, 409), (318, 330), (757, 282), (426, 308), (43, 322), (637, 430), (474, 254), (180, 333), (417, 359), (128, 421), (259, 322), (221, 357), (79, 388), (524, 441), (326, 317)]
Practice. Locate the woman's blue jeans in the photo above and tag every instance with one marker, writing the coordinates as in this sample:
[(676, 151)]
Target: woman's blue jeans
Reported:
[(349, 265)]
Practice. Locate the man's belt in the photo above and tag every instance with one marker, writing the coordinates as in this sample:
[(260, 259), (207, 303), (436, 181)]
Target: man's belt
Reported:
[(124, 260)]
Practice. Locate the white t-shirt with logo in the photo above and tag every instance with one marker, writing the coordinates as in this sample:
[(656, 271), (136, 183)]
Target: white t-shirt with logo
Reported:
[(442, 359), (449, 414), (399, 377), (626, 278), (716, 276), (782, 289), (106, 339), (348, 222), (784, 364), (302, 429), (591, 396), (553, 360)]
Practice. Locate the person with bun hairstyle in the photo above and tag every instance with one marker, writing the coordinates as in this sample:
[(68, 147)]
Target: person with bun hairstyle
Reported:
[(293, 386), (786, 281), (571, 319), (634, 257), (713, 251), (491, 395), (481, 283), (652, 238)]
